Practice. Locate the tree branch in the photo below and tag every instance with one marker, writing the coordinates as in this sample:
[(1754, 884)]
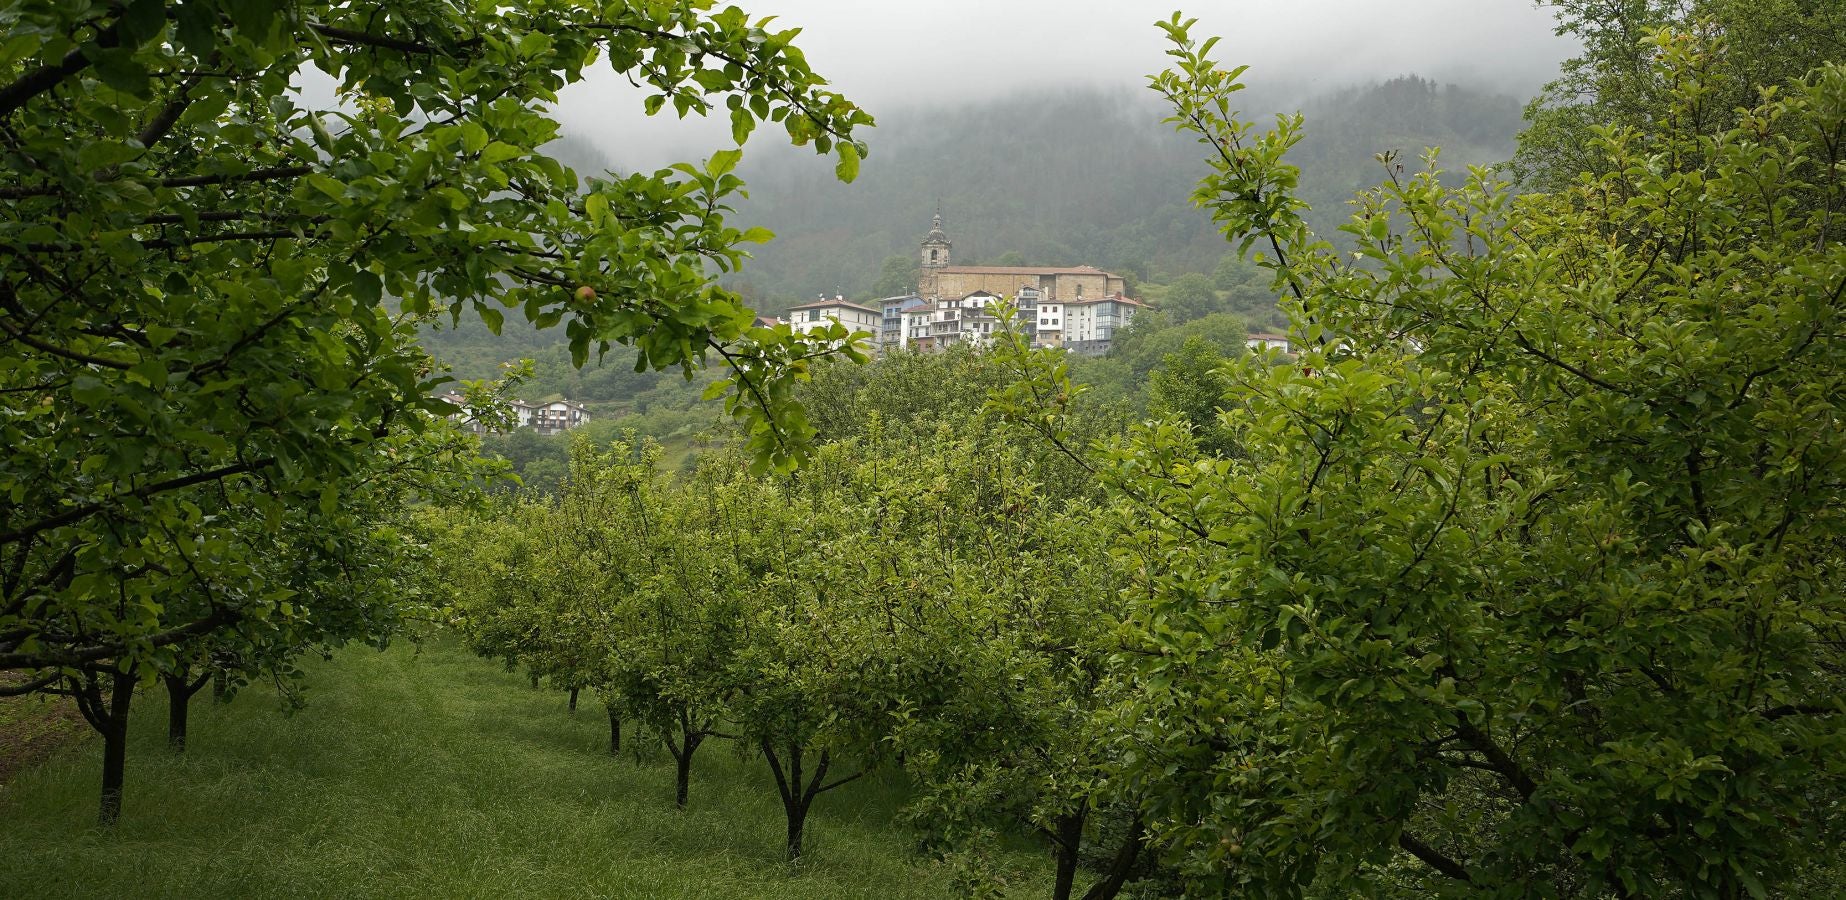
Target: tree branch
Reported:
[(46, 77), (828, 787), (62, 352), (15, 690), (363, 39), (1503, 764), (1432, 858), (255, 175), (79, 513), (163, 122), (101, 652)]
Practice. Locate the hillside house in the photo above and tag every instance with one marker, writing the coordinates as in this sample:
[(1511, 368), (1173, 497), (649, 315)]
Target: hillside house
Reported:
[(1268, 341), (550, 417), (810, 317)]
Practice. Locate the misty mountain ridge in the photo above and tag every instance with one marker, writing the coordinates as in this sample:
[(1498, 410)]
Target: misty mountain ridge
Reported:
[(1075, 177)]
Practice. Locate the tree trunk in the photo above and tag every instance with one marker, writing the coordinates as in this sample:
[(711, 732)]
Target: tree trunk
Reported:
[(1066, 841), (573, 698), (797, 822), (682, 776), (1122, 866), (179, 702), (690, 738), (615, 732), (798, 793), (114, 727), (535, 681), (106, 709), (221, 684), (795, 798)]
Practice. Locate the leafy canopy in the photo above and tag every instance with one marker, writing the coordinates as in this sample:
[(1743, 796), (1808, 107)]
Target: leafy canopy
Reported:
[(1524, 579), (208, 290)]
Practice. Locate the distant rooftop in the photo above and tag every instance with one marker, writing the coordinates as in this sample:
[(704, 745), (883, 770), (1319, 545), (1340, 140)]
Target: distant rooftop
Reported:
[(826, 304), (1024, 270)]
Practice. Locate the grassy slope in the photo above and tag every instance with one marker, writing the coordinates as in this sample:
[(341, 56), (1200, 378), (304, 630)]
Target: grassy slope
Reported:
[(434, 774)]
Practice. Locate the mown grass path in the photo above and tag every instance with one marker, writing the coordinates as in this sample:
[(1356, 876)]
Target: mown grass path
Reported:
[(434, 774)]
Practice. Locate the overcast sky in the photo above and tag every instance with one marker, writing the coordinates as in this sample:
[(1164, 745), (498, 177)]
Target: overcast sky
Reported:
[(892, 56)]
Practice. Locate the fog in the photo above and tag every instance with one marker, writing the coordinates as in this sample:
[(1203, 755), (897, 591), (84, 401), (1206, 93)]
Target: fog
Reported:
[(895, 59)]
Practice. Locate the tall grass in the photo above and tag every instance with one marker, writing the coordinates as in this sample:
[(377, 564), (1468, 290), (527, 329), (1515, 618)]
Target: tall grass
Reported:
[(434, 774)]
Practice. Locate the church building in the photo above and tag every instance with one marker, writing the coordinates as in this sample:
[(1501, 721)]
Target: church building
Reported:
[(1077, 308), (940, 279)]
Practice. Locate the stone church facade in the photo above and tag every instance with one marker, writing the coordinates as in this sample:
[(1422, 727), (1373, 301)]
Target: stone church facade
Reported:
[(938, 278)]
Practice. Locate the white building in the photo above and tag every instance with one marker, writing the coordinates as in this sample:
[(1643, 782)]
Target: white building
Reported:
[(1081, 326), (1050, 323), (945, 323), (892, 334), (809, 317), (551, 417), (1088, 326), (1266, 341), (917, 320), (555, 417)]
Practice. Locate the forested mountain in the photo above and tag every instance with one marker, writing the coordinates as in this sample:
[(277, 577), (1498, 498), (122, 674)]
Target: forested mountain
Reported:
[(1081, 177)]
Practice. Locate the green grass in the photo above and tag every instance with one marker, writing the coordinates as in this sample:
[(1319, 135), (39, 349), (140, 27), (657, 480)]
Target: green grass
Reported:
[(435, 774)]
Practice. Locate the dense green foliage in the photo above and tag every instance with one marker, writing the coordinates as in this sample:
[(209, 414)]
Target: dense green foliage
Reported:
[(1520, 576), (858, 614), (1764, 43), (1524, 580), (1519, 579), (213, 418)]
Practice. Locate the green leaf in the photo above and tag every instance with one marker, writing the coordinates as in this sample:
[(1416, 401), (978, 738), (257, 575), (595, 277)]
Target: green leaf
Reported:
[(322, 137), (848, 167), (368, 289), (142, 20), (252, 17), (493, 317), (98, 155), (473, 137), (534, 43), (724, 161), (497, 152), (150, 372), (196, 29), (118, 69)]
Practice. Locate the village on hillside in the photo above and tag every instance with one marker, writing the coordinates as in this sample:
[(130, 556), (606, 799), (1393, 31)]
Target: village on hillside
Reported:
[(1075, 308), (1078, 309)]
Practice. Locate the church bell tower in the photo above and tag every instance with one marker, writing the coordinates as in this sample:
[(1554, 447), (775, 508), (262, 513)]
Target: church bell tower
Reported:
[(934, 256)]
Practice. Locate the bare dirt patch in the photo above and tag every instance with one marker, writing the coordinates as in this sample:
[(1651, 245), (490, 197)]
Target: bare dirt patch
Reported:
[(33, 727)]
